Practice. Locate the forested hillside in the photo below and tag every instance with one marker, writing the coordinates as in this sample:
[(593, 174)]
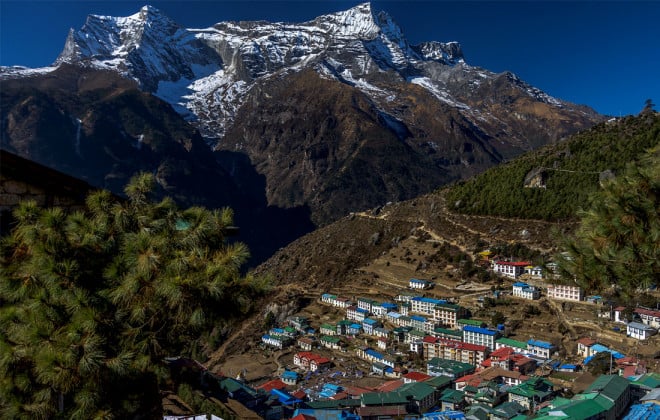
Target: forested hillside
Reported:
[(554, 182)]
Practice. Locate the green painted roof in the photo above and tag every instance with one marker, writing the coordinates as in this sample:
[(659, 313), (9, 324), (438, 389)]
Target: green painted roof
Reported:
[(327, 327), (382, 398), (452, 396), (438, 381), (417, 333), (447, 332), (330, 339), (512, 343), (417, 390), (532, 387), (610, 386), (456, 368), (576, 410), (474, 322), (449, 306), (649, 380)]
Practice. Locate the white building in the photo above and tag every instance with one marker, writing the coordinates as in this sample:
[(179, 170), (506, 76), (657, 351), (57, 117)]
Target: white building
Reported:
[(424, 305), (480, 336), (640, 331), (509, 268), (540, 348), (447, 314), (525, 291), (649, 316), (565, 292), (419, 284)]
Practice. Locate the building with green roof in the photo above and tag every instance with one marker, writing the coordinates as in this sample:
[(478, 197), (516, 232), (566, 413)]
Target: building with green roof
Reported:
[(531, 392), (451, 399), (421, 395), (447, 367), (615, 390), (382, 399), (474, 322), (447, 333), (508, 342)]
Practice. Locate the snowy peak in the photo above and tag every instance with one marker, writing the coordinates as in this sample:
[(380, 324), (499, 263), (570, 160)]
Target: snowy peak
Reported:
[(444, 52), (357, 22)]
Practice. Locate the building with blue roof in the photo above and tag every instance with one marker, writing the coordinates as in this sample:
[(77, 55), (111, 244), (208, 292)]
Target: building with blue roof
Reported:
[(419, 284), (480, 336), (541, 349), (647, 411), (369, 324), (354, 329), (525, 291), (424, 305)]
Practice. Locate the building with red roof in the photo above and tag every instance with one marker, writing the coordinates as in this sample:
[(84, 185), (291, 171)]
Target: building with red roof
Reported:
[(459, 351), (311, 361), (411, 377), (270, 385), (513, 269)]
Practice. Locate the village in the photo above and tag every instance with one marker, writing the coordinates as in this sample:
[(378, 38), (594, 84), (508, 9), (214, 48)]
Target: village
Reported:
[(419, 355)]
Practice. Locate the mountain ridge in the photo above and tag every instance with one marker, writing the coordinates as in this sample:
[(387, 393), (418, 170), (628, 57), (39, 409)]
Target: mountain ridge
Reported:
[(314, 119)]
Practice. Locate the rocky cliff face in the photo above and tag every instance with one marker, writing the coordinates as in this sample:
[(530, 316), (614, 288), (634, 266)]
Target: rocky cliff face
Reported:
[(319, 118)]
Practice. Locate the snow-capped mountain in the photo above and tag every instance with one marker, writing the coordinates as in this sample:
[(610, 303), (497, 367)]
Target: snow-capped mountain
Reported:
[(320, 118), (206, 73)]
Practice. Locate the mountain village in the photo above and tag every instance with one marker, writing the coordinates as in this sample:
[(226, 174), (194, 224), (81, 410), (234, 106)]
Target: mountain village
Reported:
[(414, 356)]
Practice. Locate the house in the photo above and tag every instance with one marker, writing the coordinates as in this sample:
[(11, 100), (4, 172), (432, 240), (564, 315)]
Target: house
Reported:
[(518, 346), (277, 341), (531, 393), (366, 304), (354, 329), (380, 368), (342, 327), (382, 332), (415, 377), (290, 377), (380, 310), (509, 268), (540, 349), (565, 292), (451, 399), (446, 367), (311, 361), (328, 298), (453, 350), (473, 322), (306, 343), (448, 314), (446, 333), (424, 305), (327, 329), (534, 271), (421, 396), (356, 314), (419, 284), (614, 391), (619, 314), (381, 343), (299, 323), (419, 323), (374, 356), (640, 331), (525, 291), (369, 325), (480, 336), (584, 347), (648, 316), (330, 342)]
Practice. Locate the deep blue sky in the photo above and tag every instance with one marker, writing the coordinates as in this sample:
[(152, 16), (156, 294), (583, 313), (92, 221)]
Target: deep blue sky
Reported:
[(600, 53)]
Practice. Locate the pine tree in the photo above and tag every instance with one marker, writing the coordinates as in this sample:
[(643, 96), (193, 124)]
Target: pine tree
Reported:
[(618, 241), (92, 301)]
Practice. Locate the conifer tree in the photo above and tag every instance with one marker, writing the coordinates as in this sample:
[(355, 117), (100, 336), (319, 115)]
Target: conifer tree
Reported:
[(618, 241), (92, 301)]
